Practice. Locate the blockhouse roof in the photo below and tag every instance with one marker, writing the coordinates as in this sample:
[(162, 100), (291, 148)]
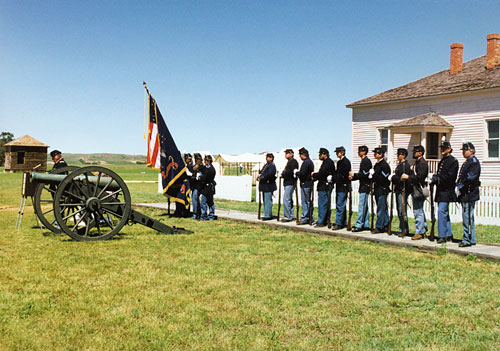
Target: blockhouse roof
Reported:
[(26, 140)]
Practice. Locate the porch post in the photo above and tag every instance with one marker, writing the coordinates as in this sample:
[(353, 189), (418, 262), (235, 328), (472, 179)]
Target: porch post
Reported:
[(423, 140), (390, 151)]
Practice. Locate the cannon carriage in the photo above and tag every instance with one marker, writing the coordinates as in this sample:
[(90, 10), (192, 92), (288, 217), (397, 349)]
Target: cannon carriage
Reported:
[(88, 204)]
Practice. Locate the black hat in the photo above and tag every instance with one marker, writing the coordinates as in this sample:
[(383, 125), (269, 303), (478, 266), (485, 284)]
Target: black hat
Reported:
[(303, 151), (468, 146), (270, 154), (289, 151), (339, 149), (402, 151), (208, 158), (54, 153), (379, 150), (445, 144), (197, 156), (187, 155), (418, 148), (323, 151), (363, 148)]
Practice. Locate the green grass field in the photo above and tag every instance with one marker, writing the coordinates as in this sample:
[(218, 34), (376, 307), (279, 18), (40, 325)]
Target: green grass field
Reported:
[(231, 286)]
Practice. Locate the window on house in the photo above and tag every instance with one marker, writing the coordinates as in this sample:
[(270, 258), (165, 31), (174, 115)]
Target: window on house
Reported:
[(20, 158), (384, 138), (432, 147), (493, 139)]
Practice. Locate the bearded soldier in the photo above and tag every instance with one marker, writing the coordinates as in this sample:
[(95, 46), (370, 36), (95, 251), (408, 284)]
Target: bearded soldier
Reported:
[(467, 191), (445, 191), (342, 185), (325, 183), (402, 185), (289, 183), (267, 184), (381, 187), (207, 186), (58, 159), (306, 184), (418, 179), (363, 176)]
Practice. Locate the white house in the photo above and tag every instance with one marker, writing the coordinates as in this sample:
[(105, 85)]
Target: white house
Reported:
[(461, 103)]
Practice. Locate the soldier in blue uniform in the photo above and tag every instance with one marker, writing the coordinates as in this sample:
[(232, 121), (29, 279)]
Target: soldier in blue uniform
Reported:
[(467, 191), (324, 177), (418, 180), (194, 173), (306, 184), (381, 187), (267, 184), (207, 190), (58, 159), (289, 183), (401, 182), (342, 185), (363, 176), (445, 190)]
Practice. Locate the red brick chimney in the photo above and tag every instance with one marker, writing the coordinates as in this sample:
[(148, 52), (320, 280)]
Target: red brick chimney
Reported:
[(456, 57), (492, 50)]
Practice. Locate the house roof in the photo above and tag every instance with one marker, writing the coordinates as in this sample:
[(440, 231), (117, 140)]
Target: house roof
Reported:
[(474, 77), (430, 119), (26, 140)]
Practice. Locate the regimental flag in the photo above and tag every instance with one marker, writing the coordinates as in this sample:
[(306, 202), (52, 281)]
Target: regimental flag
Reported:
[(164, 156)]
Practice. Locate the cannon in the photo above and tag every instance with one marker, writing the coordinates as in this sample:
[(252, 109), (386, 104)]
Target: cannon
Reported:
[(88, 204)]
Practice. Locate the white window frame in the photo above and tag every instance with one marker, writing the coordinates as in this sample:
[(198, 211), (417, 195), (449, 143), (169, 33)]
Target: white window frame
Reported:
[(380, 138), (487, 139)]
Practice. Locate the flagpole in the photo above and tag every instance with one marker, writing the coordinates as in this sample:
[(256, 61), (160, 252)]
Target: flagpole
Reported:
[(146, 103)]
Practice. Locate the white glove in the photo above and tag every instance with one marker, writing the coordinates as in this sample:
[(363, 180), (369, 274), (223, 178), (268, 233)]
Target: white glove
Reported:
[(329, 178), (188, 173), (295, 173), (198, 176), (429, 178), (280, 174), (372, 172), (457, 191)]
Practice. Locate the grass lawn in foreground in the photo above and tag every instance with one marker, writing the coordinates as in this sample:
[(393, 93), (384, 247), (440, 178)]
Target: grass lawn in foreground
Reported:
[(232, 286)]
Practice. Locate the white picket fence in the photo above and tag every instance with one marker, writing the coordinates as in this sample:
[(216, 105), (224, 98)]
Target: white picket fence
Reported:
[(487, 209)]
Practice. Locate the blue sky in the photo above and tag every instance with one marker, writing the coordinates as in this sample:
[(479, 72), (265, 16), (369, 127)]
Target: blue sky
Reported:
[(228, 76)]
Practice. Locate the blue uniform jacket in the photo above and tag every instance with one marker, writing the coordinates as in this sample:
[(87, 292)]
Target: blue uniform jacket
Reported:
[(306, 169), (267, 179), (327, 168), (468, 180), (363, 175), (445, 179)]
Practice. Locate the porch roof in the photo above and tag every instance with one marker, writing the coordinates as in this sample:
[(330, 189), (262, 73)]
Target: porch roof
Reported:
[(423, 122)]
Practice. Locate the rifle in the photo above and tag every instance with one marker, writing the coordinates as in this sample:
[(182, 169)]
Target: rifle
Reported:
[(329, 212), (372, 201), (297, 200), (389, 227), (279, 198), (403, 210), (349, 221), (311, 206), (433, 217), (260, 202)]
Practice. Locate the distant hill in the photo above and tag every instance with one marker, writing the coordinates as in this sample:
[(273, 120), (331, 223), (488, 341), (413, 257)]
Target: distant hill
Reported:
[(102, 159)]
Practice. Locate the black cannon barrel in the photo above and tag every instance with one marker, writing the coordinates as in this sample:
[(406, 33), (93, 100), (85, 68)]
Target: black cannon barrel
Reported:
[(48, 178)]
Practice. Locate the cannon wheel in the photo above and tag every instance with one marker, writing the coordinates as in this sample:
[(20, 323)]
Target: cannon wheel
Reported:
[(89, 210), (45, 194)]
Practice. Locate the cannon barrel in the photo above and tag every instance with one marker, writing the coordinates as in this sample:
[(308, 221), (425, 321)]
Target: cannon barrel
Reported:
[(48, 178)]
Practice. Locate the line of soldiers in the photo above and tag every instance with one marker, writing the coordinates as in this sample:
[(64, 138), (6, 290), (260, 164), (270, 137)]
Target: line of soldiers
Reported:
[(201, 176), (376, 182)]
